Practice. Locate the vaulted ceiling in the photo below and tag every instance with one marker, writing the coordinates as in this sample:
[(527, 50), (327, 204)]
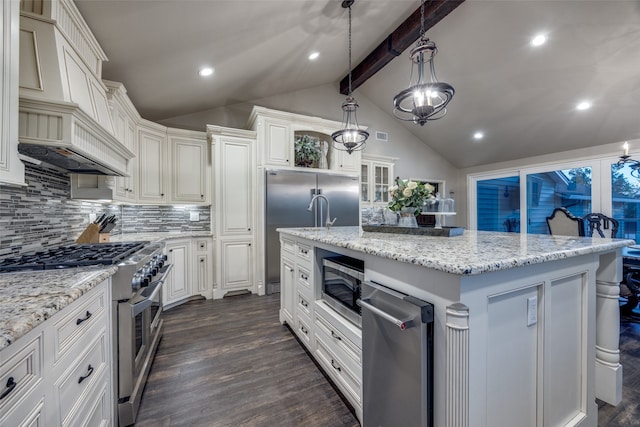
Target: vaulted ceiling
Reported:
[(522, 97)]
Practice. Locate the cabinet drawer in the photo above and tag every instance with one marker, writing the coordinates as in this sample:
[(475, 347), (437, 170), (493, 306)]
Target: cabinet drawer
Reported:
[(202, 245), (335, 367), (304, 278), (339, 340), (21, 373), (304, 255), (73, 326), (303, 330), (96, 409), (26, 414), (288, 246), (72, 387), (304, 304)]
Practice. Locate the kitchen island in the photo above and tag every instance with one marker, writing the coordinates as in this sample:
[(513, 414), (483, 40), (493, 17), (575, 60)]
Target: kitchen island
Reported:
[(526, 327)]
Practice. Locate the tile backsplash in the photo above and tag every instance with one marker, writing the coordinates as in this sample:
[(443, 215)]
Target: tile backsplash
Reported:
[(42, 214)]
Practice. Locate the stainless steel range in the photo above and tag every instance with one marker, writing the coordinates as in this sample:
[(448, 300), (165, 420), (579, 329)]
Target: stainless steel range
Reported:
[(137, 324), (136, 301)]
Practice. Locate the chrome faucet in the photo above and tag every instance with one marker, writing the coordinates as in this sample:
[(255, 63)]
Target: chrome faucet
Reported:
[(329, 223)]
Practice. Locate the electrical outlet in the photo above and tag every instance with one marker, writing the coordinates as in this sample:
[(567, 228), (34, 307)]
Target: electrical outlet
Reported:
[(92, 217), (194, 216), (532, 311)]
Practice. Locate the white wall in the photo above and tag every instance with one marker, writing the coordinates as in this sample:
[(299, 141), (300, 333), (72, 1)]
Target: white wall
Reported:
[(416, 159)]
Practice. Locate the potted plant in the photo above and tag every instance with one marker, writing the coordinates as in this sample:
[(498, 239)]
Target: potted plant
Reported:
[(307, 151)]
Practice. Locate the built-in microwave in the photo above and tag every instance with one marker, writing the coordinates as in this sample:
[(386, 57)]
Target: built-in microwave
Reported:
[(342, 277)]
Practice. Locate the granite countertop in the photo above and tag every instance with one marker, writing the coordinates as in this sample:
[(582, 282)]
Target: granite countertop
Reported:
[(29, 298), (158, 236), (474, 252)]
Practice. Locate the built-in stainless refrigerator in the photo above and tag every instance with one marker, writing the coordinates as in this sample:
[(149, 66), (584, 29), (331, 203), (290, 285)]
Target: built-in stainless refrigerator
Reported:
[(287, 197)]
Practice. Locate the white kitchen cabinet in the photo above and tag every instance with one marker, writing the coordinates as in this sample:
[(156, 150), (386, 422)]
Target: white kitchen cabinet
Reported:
[(152, 158), (48, 362), (11, 168), (125, 118), (345, 162), (277, 143), (276, 133), (204, 261), (189, 166), (287, 291), (376, 176), (235, 193), (178, 284), (236, 264)]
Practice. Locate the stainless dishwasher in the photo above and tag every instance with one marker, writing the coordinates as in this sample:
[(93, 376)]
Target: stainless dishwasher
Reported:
[(397, 358)]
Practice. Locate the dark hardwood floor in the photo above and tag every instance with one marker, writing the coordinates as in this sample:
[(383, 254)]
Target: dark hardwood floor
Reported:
[(229, 362)]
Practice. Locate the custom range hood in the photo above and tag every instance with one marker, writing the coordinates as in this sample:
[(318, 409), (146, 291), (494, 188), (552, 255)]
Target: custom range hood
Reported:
[(64, 115)]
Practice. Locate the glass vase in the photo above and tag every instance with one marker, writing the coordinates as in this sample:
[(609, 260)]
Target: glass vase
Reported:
[(408, 218)]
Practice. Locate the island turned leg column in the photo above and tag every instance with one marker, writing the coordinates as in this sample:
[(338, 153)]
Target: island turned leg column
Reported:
[(608, 367), (457, 366)]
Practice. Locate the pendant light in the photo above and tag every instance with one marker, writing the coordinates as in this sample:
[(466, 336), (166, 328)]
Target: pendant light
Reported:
[(424, 100), (350, 138)]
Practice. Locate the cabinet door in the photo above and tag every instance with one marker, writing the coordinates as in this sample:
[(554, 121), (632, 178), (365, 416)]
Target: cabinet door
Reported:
[(11, 168), (177, 285), (152, 164), (278, 143), (237, 168), (126, 185), (189, 166), (345, 162), (287, 291), (364, 182), (381, 182), (237, 264), (204, 267)]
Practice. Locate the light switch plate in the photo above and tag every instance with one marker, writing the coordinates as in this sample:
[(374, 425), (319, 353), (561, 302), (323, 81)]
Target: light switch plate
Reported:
[(194, 216), (532, 311)]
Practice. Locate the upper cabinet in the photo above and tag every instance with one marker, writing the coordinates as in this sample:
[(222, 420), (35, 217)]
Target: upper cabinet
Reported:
[(152, 157), (376, 177), (279, 135), (190, 166), (11, 168)]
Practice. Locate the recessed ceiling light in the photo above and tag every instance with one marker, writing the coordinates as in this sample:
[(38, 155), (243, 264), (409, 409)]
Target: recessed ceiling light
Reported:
[(478, 135), (539, 40), (314, 55), (584, 105), (204, 72)]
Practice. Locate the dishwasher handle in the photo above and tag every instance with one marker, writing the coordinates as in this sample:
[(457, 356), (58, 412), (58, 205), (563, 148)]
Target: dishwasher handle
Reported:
[(402, 324)]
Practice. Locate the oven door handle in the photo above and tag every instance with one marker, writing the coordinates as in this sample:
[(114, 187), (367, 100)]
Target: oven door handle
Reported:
[(148, 294)]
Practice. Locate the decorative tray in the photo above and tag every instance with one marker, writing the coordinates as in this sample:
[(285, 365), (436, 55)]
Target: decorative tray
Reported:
[(420, 231)]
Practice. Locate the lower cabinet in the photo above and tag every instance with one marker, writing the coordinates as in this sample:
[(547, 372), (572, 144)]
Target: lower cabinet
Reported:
[(192, 272), (334, 342), (60, 373), (236, 265)]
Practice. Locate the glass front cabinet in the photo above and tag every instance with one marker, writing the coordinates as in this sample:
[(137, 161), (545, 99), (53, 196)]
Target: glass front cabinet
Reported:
[(376, 176)]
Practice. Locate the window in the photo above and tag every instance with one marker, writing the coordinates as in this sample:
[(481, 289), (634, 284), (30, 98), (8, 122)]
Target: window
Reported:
[(568, 188), (625, 197), (498, 204)]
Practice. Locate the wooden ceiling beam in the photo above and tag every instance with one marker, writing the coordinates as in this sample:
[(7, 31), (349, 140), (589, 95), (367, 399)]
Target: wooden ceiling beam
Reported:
[(397, 42)]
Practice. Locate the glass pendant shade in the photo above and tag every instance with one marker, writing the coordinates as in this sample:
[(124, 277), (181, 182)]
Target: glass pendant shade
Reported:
[(350, 138), (426, 98)]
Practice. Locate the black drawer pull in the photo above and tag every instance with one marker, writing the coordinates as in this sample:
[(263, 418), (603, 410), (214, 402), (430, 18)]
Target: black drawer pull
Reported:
[(11, 384), (334, 335), (304, 330), (337, 368), (87, 316), (90, 371), (304, 277), (304, 303)]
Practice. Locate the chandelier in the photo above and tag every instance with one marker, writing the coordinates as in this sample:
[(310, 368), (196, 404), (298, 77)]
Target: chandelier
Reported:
[(626, 158), (423, 100), (350, 138)]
